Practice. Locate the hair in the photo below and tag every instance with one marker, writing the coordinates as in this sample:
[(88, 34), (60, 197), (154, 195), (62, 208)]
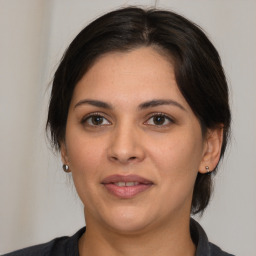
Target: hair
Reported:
[(197, 66)]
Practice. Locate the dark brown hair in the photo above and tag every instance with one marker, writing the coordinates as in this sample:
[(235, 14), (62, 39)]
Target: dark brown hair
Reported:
[(198, 71)]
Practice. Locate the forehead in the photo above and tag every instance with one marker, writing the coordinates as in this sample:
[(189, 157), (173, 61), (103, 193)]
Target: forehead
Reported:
[(139, 74)]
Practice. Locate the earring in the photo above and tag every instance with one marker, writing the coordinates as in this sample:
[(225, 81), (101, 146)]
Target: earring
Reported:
[(65, 168), (207, 169)]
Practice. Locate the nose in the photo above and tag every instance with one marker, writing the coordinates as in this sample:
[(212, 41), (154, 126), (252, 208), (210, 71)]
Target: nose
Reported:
[(125, 146)]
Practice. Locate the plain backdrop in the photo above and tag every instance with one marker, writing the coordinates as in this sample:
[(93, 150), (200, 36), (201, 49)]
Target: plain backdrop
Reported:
[(37, 199)]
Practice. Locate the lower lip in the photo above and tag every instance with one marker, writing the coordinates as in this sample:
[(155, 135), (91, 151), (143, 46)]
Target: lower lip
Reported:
[(126, 192)]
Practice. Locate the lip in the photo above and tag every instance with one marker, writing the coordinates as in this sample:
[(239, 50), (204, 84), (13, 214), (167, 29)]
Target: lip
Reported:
[(126, 192)]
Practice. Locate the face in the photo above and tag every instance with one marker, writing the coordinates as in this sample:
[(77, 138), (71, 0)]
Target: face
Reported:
[(132, 143)]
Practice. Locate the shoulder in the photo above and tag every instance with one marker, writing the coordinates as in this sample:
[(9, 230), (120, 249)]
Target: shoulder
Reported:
[(204, 247), (57, 247), (216, 251), (40, 250)]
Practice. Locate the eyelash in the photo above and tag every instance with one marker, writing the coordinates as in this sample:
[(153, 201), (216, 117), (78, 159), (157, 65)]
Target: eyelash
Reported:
[(153, 115)]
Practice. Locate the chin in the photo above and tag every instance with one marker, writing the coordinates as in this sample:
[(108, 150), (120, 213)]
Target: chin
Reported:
[(128, 221), (129, 227)]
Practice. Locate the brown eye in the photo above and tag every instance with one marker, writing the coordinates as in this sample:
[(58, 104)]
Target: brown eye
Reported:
[(159, 120), (96, 120)]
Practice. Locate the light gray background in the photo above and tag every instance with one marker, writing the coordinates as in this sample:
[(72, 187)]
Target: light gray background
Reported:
[(37, 200)]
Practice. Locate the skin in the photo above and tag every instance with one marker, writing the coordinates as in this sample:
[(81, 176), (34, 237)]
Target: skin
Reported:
[(130, 141)]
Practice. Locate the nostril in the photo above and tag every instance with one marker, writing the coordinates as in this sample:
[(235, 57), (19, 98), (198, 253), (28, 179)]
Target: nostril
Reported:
[(114, 158), (132, 158)]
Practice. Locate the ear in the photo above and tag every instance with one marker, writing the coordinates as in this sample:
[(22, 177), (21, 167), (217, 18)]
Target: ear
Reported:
[(212, 149), (64, 154)]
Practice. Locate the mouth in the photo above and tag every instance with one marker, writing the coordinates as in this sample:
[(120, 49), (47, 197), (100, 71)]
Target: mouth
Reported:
[(126, 187)]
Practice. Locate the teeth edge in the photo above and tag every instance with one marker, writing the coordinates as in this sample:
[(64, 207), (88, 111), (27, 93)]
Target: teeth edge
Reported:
[(126, 184)]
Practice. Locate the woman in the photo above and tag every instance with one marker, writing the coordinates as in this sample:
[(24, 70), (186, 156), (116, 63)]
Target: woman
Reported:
[(139, 112)]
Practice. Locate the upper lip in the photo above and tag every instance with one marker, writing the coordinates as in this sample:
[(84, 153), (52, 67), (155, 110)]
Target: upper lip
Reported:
[(125, 178)]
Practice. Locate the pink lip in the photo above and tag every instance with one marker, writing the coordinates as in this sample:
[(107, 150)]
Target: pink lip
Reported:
[(126, 192)]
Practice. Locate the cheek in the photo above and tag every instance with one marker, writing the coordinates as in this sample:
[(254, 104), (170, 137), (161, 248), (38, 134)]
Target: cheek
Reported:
[(177, 159), (177, 164), (85, 154), (181, 153)]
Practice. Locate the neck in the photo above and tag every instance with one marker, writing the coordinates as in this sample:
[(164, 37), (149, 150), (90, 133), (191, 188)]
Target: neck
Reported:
[(168, 240)]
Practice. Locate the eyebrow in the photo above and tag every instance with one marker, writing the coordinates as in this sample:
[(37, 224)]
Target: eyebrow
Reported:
[(160, 102), (144, 105), (95, 103)]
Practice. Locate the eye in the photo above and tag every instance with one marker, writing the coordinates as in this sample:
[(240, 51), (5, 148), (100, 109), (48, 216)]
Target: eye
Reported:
[(95, 120), (159, 120)]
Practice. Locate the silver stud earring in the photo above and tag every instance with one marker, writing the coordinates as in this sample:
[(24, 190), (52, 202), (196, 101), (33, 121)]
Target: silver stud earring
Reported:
[(65, 168), (207, 169)]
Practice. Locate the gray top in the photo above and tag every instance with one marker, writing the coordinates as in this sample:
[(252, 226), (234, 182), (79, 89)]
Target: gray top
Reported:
[(68, 246), (203, 246)]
